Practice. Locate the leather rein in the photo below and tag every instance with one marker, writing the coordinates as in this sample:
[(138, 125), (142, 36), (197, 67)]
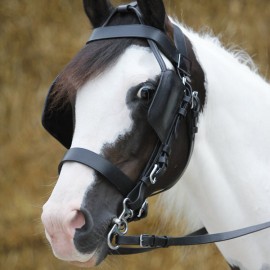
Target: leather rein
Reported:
[(135, 203)]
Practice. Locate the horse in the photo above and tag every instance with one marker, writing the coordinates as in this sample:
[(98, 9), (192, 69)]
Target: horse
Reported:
[(137, 119)]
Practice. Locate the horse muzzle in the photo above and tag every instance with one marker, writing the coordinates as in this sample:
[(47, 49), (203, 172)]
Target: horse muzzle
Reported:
[(73, 235)]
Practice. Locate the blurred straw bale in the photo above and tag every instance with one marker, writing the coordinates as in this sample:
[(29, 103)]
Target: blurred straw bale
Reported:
[(37, 38)]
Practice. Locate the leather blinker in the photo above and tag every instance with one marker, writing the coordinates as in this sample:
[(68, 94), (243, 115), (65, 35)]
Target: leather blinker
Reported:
[(165, 103), (58, 121)]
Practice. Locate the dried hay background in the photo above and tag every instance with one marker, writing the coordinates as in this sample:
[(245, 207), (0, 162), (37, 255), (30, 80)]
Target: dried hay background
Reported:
[(37, 39)]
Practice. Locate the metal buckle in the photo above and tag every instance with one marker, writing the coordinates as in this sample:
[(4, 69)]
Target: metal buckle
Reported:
[(142, 242), (187, 63), (120, 226)]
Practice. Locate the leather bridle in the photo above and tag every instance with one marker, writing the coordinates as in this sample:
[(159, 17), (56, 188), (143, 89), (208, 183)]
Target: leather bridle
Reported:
[(187, 102)]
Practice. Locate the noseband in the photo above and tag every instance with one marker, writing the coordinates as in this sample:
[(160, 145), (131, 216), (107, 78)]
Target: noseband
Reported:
[(173, 101)]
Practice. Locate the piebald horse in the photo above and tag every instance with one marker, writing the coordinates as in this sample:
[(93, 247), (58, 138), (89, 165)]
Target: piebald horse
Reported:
[(104, 102)]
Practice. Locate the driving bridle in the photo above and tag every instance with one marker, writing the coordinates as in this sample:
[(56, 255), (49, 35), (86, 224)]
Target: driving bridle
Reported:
[(173, 101)]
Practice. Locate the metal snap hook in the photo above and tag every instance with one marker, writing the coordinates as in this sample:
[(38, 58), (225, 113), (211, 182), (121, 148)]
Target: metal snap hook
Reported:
[(126, 213), (120, 225), (113, 232), (153, 179), (143, 210)]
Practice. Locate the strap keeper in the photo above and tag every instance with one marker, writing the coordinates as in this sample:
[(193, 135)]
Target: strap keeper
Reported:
[(164, 243), (153, 241), (163, 160), (187, 99), (182, 111), (123, 8), (166, 149)]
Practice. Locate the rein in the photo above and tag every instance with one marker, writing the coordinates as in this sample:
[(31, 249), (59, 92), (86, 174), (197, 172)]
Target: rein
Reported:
[(200, 237), (185, 102)]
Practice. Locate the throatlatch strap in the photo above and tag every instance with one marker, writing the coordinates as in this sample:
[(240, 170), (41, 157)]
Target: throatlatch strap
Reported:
[(179, 40), (100, 164)]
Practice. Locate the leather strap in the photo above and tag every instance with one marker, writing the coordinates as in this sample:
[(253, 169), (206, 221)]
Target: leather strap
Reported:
[(151, 242), (146, 32), (179, 40), (100, 164)]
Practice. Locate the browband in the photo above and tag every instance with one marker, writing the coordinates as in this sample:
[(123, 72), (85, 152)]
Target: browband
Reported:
[(146, 32)]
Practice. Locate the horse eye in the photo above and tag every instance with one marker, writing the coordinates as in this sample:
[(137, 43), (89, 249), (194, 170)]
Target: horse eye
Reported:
[(146, 92)]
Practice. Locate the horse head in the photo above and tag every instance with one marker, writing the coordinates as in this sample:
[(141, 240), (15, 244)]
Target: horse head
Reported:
[(124, 102)]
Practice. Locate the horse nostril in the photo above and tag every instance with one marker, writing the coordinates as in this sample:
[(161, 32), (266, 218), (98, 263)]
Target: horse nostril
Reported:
[(78, 220), (84, 220), (84, 238)]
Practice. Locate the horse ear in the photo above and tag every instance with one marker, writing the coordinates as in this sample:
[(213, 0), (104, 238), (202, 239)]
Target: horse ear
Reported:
[(153, 12), (97, 11)]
